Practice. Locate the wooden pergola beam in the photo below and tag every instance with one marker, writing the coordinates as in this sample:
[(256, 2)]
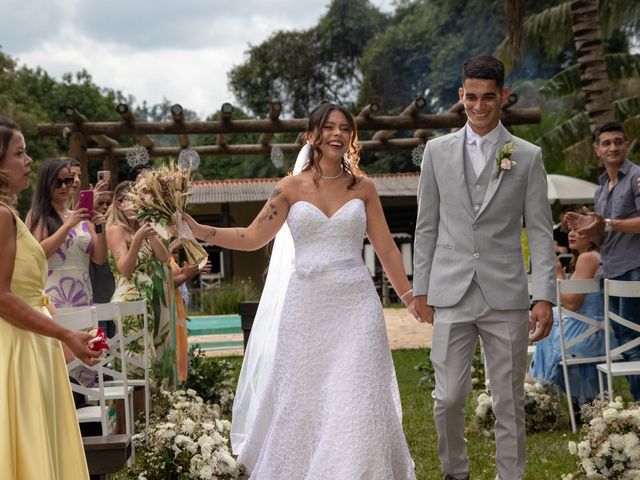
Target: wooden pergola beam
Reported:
[(410, 111), (257, 149), (369, 110), (519, 116), (274, 113), (75, 116), (132, 126), (177, 114)]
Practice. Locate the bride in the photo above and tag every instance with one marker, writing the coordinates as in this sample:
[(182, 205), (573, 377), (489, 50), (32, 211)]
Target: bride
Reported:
[(317, 396)]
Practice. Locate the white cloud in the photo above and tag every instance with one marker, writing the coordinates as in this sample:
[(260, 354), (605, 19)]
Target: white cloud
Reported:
[(151, 49)]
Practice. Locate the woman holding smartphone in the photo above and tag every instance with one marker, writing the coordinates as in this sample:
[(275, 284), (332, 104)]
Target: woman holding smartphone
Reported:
[(68, 237)]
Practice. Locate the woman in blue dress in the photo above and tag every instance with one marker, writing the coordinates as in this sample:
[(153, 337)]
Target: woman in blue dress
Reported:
[(546, 360)]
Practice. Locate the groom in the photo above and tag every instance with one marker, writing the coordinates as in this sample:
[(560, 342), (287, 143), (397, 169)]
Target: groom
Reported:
[(477, 187)]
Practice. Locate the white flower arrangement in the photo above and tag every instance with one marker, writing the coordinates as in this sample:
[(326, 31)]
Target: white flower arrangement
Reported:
[(189, 441), (542, 410), (610, 445)]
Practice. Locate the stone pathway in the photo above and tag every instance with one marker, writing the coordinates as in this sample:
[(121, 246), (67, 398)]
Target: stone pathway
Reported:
[(403, 330)]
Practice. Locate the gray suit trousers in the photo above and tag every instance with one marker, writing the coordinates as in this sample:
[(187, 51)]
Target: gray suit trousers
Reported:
[(504, 335)]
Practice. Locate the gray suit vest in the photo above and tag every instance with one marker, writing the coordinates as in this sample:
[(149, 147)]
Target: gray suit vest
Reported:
[(477, 186)]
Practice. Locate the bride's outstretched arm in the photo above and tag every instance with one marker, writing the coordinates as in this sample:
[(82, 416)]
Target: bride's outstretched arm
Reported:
[(261, 231)]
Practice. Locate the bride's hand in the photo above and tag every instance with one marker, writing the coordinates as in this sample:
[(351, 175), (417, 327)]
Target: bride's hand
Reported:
[(411, 306), (190, 221)]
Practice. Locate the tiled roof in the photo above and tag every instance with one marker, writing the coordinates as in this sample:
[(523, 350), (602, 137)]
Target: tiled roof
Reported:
[(259, 189)]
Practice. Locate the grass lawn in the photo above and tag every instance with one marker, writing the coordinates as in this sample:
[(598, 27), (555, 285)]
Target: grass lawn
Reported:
[(547, 455)]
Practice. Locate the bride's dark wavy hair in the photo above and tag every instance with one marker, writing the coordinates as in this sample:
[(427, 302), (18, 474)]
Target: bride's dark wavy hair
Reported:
[(317, 119)]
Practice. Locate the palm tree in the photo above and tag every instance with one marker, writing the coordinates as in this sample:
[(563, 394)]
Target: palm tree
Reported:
[(582, 24)]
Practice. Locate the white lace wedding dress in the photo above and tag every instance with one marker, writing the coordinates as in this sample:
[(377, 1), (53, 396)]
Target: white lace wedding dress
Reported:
[(332, 408)]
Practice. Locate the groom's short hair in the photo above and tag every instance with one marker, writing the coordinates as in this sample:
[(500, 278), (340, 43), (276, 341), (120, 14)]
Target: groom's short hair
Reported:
[(484, 67)]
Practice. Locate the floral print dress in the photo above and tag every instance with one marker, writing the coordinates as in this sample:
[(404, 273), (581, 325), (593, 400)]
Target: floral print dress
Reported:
[(149, 281), (68, 283)]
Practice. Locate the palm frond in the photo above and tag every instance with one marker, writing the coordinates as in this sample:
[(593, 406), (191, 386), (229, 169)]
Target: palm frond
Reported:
[(622, 65), (550, 29), (551, 26), (632, 127), (566, 133), (619, 66), (563, 83), (617, 14), (580, 156), (627, 107)]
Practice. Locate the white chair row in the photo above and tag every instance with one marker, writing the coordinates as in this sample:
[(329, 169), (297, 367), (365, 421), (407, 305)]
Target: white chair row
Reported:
[(116, 362), (612, 363)]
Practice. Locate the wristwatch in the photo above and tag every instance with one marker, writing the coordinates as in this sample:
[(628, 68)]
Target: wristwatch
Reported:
[(608, 225)]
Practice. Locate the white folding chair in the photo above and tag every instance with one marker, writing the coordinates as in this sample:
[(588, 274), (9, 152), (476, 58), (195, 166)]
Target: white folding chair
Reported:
[(85, 318), (613, 368), (116, 311), (583, 286)]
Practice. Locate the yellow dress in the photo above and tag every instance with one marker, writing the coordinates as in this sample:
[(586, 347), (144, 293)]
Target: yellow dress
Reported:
[(39, 432)]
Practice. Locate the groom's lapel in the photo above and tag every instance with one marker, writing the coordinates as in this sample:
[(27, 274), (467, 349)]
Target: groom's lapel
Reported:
[(496, 173), (456, 154)]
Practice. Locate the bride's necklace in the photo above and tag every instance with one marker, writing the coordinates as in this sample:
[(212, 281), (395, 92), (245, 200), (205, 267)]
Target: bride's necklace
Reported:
[(329, 177)]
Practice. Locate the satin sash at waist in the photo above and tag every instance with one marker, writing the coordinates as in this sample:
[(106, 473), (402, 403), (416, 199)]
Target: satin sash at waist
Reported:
[(302, 268)]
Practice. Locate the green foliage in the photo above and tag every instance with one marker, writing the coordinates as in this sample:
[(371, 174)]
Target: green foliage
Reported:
[(224, 299), (302, 68), (213, 378)]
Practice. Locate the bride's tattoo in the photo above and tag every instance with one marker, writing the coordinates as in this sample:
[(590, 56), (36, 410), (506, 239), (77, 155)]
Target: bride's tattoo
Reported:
[(276, 192), (210, 235), (270, 212)]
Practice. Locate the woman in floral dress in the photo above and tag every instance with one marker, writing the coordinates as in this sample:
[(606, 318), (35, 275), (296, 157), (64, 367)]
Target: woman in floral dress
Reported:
[(68, 237), (137, 257)]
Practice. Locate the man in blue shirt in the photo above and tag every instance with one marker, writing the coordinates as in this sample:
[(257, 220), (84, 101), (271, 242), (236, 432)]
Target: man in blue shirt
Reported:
[(615, 226)]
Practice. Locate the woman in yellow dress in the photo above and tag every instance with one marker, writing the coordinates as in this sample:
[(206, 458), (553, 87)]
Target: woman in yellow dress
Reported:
[(39, 433)]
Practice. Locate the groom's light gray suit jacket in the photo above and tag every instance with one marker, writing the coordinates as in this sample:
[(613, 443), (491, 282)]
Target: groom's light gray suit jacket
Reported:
[(453, 242)]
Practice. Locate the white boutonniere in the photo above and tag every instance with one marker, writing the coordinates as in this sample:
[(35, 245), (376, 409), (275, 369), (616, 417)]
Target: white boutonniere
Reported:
[(504, 157)]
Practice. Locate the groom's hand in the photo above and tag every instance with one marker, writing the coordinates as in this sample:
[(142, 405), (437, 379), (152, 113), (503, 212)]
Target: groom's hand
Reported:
[(425, 311), (541, 320)]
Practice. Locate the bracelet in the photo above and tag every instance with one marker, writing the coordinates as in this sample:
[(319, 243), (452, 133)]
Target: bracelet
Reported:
[(406, 293)]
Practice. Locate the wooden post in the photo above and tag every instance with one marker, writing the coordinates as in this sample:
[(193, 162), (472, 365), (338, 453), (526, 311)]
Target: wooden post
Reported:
[(78, 150), (177, 113), (225, 116), (369, 110), (130, 119), (274, 113), (110, 163)]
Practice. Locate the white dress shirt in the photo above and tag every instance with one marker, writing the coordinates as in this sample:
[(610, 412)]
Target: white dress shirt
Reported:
[(480, 149)]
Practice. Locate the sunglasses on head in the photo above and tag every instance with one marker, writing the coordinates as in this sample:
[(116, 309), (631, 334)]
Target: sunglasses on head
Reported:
[(67, 182)]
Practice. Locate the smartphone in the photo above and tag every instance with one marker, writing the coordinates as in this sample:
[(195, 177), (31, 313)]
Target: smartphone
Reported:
[(104, 175), (565, 260), (86, 201)]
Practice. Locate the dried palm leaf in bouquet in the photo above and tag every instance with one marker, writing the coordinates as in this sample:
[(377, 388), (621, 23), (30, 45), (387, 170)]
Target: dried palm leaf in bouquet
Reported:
[(160, 196)]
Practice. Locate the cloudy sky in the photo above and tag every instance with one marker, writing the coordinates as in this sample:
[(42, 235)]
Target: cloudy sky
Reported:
[(181, 50)]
